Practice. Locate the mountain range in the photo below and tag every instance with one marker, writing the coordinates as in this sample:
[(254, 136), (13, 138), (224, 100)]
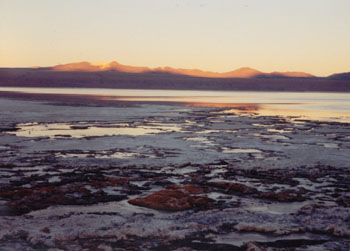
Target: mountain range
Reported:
[(118, 76), (244, 72)]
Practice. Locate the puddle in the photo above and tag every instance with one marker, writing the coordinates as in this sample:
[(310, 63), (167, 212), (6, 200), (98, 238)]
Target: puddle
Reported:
[(215, 172), (261, 125), (182, 171), (190, 122), (215, 131), (258, 156), (328, 145), (277, 208), (203, 140), (118, 155), (238, 239), (100, 155), (287, 130), (54, 179), (298, 122), (72, 155), (63, 130), (198, 139), (270, 136), (220, 196), (164, 127), (239, 150)]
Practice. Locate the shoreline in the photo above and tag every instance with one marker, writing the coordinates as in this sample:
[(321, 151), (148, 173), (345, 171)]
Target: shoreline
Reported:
[(168, 89)]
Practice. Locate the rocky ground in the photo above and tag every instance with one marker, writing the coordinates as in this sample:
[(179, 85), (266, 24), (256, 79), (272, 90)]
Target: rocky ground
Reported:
[(157, 177)]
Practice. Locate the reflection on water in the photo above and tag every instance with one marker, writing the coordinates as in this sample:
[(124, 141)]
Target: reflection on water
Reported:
[(61, 130), (313, 113), (290, 111), (308, 105)]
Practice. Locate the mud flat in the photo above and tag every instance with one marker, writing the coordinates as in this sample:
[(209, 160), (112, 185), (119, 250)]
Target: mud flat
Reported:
[(93, 176)]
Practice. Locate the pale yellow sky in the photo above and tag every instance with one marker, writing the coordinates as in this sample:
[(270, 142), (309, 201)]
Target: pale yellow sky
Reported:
[(221, 35)]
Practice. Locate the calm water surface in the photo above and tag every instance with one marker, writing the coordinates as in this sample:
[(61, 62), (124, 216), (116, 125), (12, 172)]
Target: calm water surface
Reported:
[(308, 105)]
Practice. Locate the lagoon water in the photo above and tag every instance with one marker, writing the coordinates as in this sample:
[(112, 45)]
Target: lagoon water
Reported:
[(308, 105)]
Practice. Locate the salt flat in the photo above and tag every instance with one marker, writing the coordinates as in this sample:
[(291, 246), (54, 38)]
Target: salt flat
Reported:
[(158, 176)]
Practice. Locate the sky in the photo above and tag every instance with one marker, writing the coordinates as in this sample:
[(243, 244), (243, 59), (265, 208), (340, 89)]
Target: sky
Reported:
[(217, 35)]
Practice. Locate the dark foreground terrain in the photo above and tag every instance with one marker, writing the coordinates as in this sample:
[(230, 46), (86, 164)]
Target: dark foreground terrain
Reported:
[(127, 176)]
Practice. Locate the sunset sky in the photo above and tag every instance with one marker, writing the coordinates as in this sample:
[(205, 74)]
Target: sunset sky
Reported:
[(217, 35)]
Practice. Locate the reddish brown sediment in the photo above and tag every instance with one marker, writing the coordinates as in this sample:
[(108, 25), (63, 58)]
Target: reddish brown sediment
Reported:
[(24, 200), (191, 189), (233, 187), (283, 196), (172, 199)]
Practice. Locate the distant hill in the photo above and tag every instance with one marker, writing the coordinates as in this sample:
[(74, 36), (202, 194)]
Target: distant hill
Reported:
[(244, 72), (96, 67), (288, 74), (340, 76)]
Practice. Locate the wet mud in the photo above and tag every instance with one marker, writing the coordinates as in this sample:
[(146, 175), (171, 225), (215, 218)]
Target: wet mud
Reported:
[(160, 177)]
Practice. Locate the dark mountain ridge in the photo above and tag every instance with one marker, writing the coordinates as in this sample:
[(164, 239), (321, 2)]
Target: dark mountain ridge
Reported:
[(115, 75)]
